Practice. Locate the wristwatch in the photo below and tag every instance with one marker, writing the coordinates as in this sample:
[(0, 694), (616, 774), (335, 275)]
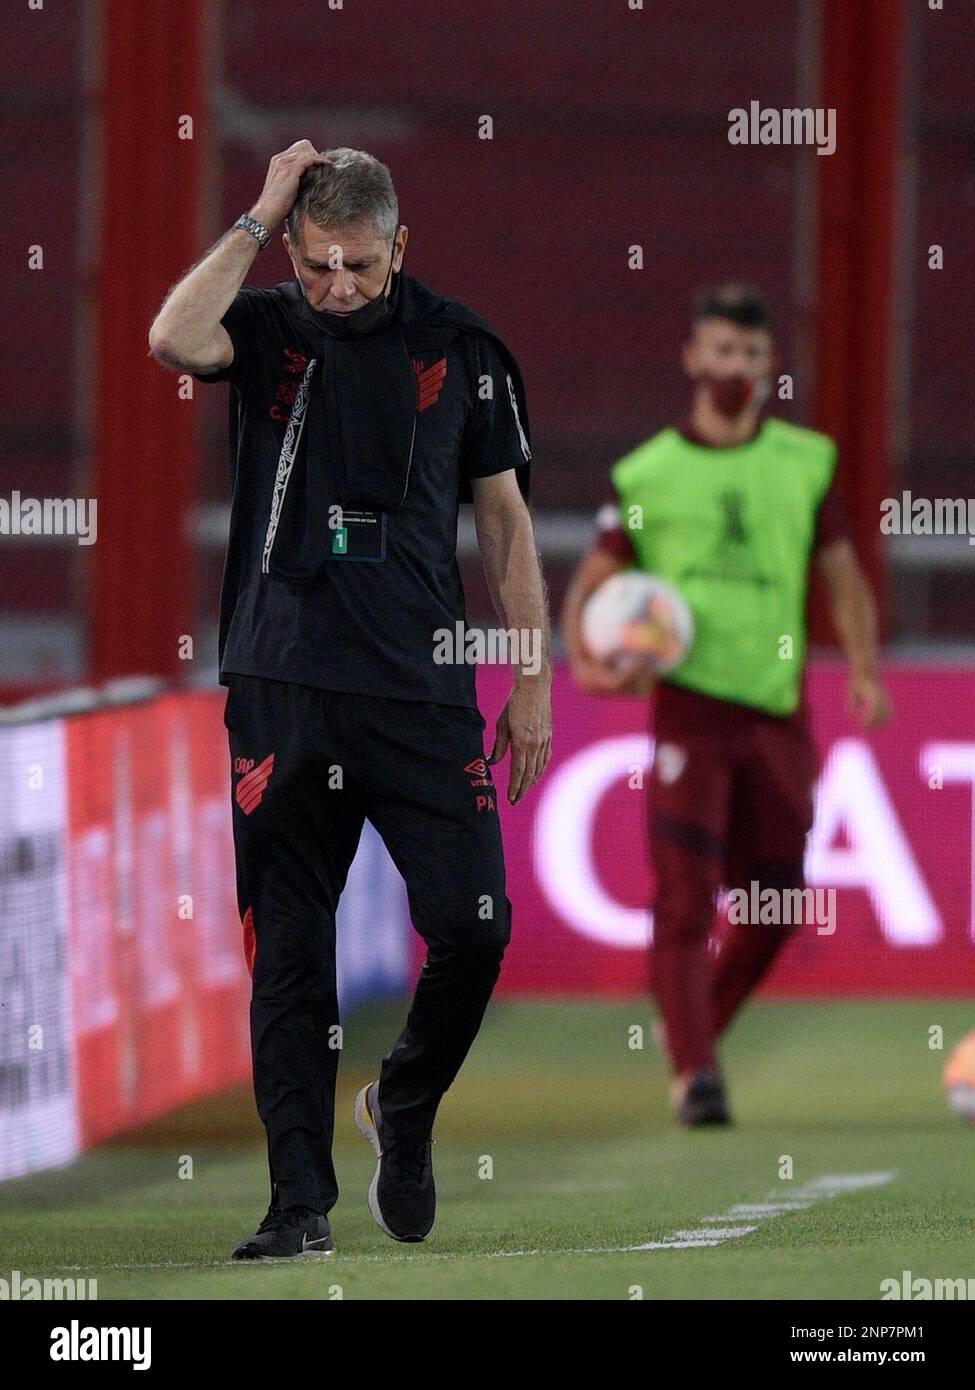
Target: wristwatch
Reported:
[(256, 229)]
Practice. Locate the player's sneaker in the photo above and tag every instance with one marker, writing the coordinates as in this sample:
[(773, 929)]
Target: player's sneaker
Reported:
[(704, 1102), (292, 1233), (402, 1195)]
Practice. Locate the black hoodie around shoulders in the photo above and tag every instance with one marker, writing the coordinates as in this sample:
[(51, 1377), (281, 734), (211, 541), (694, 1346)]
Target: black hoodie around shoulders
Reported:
[(366, 623)]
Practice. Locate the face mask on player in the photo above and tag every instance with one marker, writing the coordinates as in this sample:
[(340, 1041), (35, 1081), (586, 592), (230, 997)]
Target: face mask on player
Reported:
[(733, 394), (366, 318)]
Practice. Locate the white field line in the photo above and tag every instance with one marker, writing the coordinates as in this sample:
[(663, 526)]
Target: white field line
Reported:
[(707, 1235)]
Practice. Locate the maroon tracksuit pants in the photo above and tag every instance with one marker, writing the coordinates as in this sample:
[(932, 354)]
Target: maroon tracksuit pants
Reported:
[(731, 802)]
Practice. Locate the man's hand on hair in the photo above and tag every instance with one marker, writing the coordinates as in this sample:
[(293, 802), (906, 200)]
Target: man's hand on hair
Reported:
[(281, 185)]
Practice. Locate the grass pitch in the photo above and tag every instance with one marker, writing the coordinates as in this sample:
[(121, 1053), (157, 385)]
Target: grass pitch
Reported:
[(556, 1154)]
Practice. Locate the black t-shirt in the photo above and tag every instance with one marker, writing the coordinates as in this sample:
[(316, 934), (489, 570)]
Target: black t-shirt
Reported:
[(364, 626)]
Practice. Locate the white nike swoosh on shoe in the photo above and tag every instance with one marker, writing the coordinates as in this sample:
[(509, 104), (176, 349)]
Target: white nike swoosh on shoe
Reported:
[(319, 1244)]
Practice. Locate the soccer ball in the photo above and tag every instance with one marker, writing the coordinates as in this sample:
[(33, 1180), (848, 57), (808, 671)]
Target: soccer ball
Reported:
[(959, 1078), (638, 615)]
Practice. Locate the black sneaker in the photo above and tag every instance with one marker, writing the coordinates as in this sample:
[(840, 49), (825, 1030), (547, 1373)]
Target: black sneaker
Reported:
[(402, 1197), (294, 1233), (705, 1101)]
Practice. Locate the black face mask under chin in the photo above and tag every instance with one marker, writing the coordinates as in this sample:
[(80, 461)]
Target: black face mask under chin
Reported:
[(367, 318)]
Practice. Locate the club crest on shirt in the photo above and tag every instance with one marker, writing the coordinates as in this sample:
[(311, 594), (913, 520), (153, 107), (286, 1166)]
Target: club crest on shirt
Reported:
[(429, 381)]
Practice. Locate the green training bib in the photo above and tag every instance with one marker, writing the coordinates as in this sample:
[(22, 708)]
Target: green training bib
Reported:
[(732, 529)]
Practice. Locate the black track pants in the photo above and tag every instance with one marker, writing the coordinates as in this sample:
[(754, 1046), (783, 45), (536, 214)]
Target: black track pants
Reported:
[(309, 766)]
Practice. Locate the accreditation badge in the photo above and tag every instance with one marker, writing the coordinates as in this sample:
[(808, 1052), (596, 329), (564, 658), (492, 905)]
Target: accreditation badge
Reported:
[(357, 535)]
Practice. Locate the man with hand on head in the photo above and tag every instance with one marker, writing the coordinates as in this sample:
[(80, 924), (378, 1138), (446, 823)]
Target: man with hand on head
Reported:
[(365, 408)]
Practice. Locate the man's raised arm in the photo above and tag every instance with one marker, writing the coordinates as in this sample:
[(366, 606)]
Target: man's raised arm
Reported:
[(187, 332)]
